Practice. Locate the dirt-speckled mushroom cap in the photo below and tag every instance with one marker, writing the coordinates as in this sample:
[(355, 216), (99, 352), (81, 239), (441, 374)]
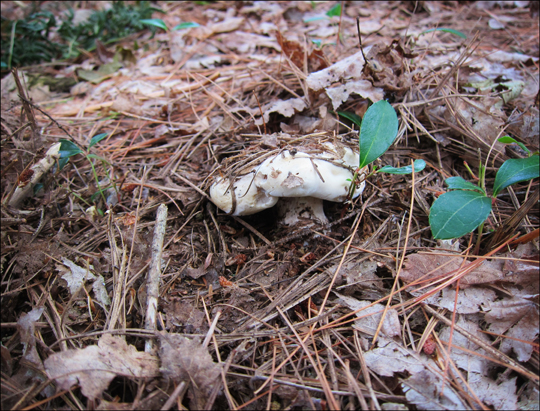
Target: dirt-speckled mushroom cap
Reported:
[(248, 198), (325, 176)]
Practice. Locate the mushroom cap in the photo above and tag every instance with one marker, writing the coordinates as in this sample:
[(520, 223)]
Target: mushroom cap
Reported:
[(324, 173), (249, 198), (326, 176)]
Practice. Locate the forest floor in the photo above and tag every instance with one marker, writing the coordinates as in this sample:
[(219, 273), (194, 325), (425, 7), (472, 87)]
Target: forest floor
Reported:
[(110, 301)]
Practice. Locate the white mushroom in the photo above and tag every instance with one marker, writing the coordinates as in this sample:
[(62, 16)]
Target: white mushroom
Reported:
[(242, 198), (300, 178)]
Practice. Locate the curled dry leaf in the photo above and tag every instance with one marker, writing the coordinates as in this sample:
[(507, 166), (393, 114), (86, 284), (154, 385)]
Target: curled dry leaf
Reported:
[(423, 390), (344, 78), (29, 371), (370, 317), (76, 276), (94, 367), (26, 327), (184, 313), (516, 318), (286, 108), (501, 393), (186, 360)]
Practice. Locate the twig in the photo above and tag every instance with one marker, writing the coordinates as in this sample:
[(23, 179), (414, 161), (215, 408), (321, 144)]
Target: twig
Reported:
[(170, 401), (152, 290), (24, 188), (49, 117)]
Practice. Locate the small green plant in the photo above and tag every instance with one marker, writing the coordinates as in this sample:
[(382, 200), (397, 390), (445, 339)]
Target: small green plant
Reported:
[(106, 26), (69, 149), (335, 11), (446, 30), (161, 24), (459, 212), (27, 41), (378, 130)]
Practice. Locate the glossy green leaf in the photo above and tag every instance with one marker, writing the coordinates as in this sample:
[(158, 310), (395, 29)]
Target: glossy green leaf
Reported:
[(96, 139), (317, 42), (378, 131), (452, 31), (457, 213), (506, 140), (510, 140), (458, 183), (334, 11), (68, 149), (155, 23), (352, 117), (419, 165), (62, 162), (515, 171), (186, 25)]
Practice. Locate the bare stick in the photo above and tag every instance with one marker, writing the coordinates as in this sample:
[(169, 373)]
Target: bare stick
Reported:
[(152, 284), (28, 181)]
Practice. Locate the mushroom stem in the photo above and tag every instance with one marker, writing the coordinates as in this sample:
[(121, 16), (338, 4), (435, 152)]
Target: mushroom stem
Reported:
[(291, 209)]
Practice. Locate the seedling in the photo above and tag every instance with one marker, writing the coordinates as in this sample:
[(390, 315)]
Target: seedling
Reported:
[(378, 130), (161, 24), (459, 212), (69, 149)]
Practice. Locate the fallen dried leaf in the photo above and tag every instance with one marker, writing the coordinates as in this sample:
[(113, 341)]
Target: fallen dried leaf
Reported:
[(186, 360), (95, 366)]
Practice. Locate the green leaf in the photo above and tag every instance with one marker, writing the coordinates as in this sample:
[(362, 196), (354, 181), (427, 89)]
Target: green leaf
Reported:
[(317, 42), (506, 140), (96, 139), (352, 117), (315, 18), (186, 25), (334, 11), (105, 71), (62, 162), (68, 149), (99, 193), (457, 213), (37, 188), (155, 23), (419, 165), (458, 183), (452, 31), (378, 131), (510, 140), (515, 171), (103, 160)]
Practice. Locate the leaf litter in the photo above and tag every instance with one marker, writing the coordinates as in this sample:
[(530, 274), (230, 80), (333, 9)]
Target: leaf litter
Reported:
[(358, 314)]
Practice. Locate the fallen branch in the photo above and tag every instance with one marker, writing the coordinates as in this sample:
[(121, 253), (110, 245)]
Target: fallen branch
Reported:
[(152, 282)]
